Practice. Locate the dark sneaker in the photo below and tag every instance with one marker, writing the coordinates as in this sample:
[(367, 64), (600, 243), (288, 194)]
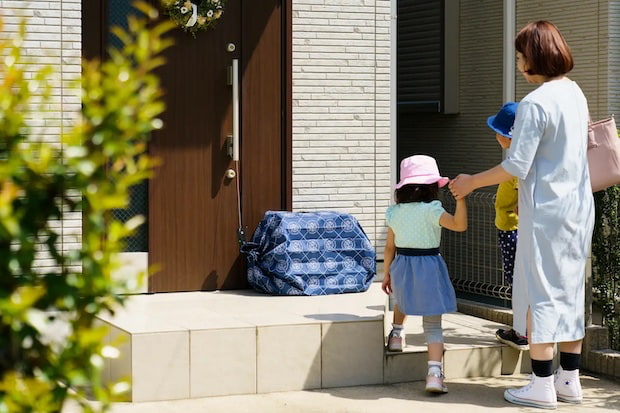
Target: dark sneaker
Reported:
[(511, 338)]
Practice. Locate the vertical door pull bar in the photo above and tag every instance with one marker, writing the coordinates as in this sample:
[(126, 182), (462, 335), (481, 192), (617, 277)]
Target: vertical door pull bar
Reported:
[(241, 237), (235, 109)]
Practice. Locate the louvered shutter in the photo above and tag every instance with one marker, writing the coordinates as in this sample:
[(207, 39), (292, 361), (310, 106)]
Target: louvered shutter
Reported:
[(419, 55)]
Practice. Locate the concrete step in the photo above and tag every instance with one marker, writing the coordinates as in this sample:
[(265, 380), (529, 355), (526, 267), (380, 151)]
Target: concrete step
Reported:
[(202, 344), (470, 350)]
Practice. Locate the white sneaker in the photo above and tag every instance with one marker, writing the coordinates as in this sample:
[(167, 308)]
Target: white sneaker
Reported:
[(540, 392), (568, 386)]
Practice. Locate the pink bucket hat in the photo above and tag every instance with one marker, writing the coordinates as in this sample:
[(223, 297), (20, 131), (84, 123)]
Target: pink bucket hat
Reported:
[(420, 169)]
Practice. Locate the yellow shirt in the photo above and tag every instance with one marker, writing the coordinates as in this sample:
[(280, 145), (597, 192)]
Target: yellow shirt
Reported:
[(506, 201)]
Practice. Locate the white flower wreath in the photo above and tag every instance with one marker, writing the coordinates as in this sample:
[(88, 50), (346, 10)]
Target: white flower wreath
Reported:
[(193, 16)]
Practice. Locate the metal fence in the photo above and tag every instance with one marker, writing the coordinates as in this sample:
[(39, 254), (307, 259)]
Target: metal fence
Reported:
[(473, 257), (606, 261)]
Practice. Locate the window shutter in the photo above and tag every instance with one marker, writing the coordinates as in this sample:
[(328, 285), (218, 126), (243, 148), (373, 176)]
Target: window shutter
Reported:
[(427, 56), (419, 55)]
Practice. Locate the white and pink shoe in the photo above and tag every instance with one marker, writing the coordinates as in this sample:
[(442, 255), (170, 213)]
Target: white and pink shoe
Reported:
[(395, 342), (434, 383)]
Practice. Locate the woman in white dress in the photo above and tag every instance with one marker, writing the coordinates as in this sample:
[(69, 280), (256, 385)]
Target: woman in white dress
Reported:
[(556, 215)]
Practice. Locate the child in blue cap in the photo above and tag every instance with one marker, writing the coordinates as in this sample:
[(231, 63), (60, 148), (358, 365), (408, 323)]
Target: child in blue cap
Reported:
[(506, 219)]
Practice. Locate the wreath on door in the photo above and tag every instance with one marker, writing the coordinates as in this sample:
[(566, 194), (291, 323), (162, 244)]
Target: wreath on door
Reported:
[(194, 16)]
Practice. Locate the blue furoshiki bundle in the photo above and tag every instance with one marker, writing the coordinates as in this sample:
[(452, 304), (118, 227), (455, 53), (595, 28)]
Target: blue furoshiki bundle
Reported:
[(310, 253)]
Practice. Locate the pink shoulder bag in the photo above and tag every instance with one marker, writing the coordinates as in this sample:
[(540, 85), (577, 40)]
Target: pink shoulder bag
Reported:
[(603, 154)]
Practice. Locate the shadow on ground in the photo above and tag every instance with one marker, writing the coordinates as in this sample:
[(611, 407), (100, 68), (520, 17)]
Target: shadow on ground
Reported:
[(483, 392)]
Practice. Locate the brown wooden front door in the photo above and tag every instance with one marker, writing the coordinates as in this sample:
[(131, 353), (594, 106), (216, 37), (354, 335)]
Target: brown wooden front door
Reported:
[(193, 206)]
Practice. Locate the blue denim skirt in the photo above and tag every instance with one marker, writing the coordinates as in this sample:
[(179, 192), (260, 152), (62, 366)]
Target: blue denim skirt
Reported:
[(421, 285)]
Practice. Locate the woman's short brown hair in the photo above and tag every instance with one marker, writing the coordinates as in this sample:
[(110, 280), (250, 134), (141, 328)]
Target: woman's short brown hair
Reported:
[(544, 49)]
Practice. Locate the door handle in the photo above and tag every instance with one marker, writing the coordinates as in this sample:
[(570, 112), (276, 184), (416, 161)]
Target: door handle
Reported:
[(233, 151)]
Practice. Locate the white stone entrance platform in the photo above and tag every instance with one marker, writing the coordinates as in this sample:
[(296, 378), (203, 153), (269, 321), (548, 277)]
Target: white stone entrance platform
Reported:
[(200, 344)]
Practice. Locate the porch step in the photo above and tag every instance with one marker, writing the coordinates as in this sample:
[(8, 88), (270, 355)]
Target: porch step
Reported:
[(470, 350), (201, 344)]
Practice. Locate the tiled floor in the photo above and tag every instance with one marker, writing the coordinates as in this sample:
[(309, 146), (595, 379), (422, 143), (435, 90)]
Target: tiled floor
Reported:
[(201, 344)]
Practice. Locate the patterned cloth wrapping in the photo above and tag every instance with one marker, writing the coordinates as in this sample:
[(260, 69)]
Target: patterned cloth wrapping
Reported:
[(309, 253)]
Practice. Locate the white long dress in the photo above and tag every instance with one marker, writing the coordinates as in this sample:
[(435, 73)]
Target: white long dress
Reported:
[(556, 211)]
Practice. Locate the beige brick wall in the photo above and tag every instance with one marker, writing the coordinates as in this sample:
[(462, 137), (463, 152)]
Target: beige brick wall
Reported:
[(341, 109), (54, 39)]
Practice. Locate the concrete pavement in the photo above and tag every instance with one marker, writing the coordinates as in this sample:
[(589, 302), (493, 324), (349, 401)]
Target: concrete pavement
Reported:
[(476, 395)]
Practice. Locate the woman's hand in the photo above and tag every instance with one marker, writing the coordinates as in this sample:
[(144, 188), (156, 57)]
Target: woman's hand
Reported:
[(386, 284), (461, 186)]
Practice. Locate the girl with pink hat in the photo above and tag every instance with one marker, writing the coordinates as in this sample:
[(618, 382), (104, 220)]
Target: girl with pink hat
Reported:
[(415, 272)]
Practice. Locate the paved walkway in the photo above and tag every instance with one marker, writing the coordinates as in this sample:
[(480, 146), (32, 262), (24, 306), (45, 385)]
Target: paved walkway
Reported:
[(477, 395)]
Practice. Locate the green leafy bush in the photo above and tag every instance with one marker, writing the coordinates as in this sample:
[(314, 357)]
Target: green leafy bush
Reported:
[(606, 261), (51, 347)]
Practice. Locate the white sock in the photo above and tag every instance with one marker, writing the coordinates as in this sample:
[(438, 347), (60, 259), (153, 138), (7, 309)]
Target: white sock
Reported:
[(434, 367), (397, 329)]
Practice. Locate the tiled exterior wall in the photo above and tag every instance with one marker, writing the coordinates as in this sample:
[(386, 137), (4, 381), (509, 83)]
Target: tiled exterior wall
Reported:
[(54, 39), (341, 109)]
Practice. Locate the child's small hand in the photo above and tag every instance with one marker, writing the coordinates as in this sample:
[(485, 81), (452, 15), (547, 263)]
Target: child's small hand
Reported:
[(386, 284), (460, 186)]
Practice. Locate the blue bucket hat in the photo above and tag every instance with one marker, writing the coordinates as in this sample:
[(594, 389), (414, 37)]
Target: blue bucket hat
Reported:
[(503, 120)]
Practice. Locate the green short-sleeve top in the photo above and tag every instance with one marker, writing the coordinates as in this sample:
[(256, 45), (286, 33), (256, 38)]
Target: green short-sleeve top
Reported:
[(415, 224)]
